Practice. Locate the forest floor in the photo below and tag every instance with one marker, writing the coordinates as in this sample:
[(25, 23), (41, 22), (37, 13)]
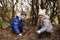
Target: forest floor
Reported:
[(29, 34)]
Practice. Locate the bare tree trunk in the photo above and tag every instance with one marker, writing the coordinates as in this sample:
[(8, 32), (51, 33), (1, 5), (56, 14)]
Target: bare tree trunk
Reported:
[(34, 11), (59, 10), (13, 14)]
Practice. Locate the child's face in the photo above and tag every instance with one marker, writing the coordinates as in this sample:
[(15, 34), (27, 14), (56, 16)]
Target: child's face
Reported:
[(23, 17), (41, 17)]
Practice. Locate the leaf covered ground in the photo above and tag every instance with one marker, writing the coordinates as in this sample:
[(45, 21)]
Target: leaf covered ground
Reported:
[(29, 34)]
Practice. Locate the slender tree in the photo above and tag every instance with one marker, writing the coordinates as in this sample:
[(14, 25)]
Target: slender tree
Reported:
[(34, 11), (59, 10)]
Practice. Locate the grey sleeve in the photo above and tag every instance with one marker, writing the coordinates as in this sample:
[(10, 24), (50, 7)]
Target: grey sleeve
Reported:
[(45, 26)]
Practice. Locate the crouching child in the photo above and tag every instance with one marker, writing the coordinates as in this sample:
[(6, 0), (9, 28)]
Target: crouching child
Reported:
[(44, 24), (17, 23)]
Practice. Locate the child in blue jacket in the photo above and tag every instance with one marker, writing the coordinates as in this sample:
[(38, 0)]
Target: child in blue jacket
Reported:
[(17, 23)]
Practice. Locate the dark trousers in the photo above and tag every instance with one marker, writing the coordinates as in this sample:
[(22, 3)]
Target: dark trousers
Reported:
[(43, 33), (20, 29), (39, 27)]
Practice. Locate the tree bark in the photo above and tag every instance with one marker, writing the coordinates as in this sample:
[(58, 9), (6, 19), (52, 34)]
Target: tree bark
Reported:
[(34, 11), (59, 10)]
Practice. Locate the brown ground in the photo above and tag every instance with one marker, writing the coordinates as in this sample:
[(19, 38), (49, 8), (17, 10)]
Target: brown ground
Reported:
[(30, 34)]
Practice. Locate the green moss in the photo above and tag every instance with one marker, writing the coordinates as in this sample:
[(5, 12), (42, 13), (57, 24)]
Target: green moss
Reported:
[(0, 23), (4, 24)]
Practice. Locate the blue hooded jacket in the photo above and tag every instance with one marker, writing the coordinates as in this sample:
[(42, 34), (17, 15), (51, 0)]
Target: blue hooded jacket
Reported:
[(15, 25)]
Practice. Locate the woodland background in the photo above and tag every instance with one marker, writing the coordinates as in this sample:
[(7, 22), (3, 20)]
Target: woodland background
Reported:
[(9, 8)]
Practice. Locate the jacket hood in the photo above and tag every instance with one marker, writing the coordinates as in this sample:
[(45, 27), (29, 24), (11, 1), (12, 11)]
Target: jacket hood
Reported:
[(47, 17), (18, 15)]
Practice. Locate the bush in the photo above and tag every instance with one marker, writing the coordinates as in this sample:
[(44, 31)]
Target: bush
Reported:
[(4, 24)]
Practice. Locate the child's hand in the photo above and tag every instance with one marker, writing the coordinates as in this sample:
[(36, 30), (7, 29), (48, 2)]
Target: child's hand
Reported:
[(20, 34), (38, 31)]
